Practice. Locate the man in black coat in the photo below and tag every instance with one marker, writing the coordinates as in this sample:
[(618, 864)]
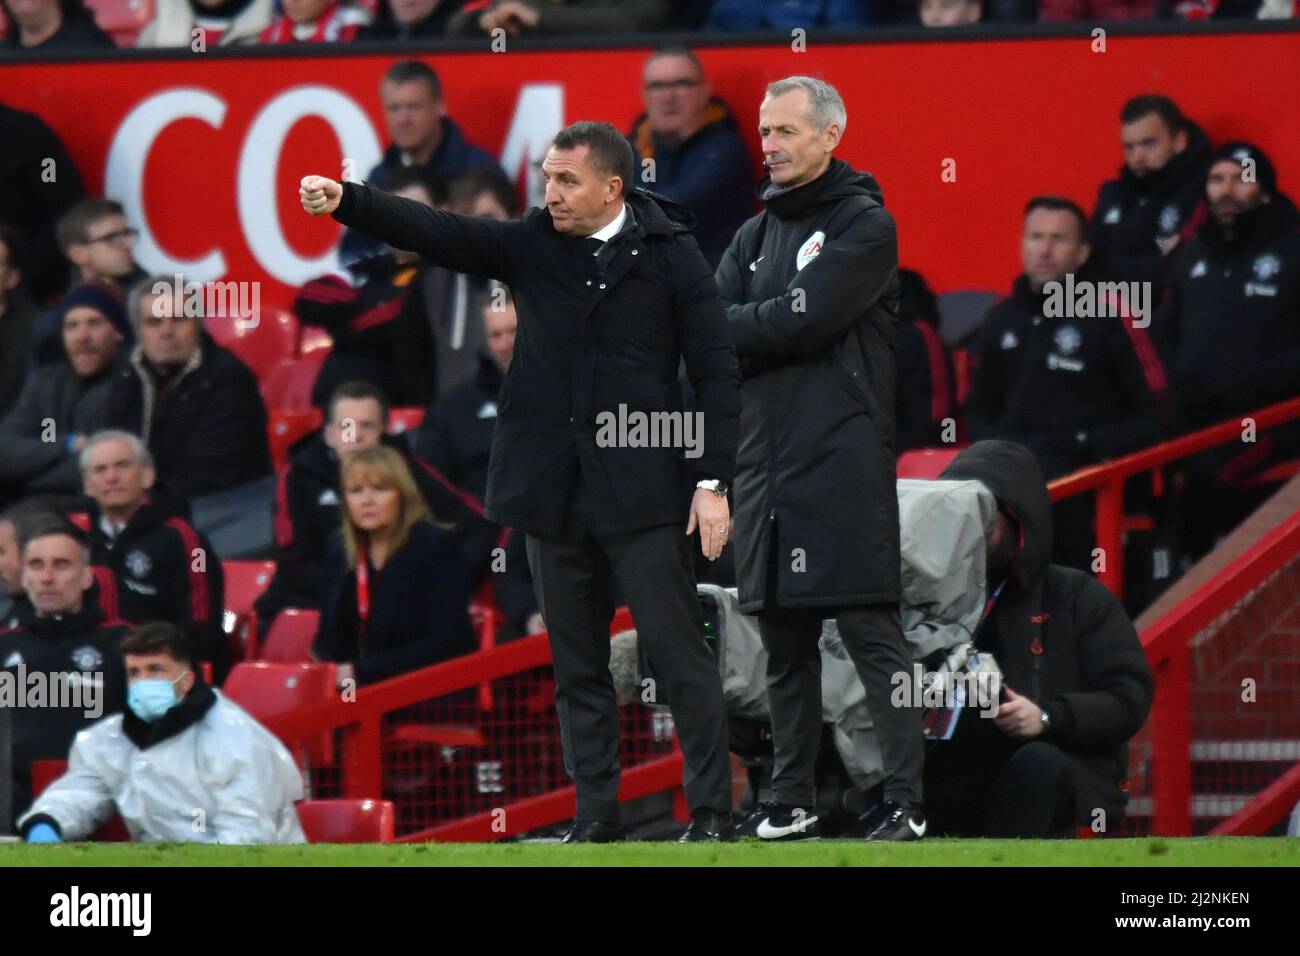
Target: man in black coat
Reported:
[(612, 294), (166, 570), (1076, 683), (1141, 215), (1229, 329), (195, 404), (64, 642), (811, 290)]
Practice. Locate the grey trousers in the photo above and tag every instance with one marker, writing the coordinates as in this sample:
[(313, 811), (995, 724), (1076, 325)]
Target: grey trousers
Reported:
[(572, 578), (874, 640)]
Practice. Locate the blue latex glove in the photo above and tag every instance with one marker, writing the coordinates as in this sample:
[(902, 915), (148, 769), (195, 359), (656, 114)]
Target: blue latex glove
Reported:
[(43, 833)]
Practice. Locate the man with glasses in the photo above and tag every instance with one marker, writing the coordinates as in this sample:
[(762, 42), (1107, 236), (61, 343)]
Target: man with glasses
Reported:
[(688, 149), (96, 238)]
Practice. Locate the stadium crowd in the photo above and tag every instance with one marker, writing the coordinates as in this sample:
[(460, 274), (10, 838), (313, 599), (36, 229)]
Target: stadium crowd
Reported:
[(122, 420)]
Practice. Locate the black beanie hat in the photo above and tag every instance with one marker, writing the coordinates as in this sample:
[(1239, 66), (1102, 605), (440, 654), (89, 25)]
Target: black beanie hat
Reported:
[(1238, 152)]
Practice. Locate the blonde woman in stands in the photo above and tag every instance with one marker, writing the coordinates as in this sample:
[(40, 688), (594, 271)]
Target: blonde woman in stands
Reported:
[(395, 587)]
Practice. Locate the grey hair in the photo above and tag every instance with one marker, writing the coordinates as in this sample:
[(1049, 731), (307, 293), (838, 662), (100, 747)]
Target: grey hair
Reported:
[(146, 290), (825, 106), (138, 448)]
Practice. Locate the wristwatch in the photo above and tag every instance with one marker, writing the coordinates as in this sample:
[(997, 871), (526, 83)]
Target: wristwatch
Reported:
[(715, 485), (1046, 720)]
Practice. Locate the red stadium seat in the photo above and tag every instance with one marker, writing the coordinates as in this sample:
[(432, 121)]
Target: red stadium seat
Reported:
[(262, 341), (404, 419), (288, 382), (286, 427), (266, 689), (291, 636), (122, 19), (925, 462), (311, 338), (348, 821), (245, 582)]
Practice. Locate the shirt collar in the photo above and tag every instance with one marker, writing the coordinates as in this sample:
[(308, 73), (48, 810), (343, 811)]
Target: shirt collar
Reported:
[(613, 228)]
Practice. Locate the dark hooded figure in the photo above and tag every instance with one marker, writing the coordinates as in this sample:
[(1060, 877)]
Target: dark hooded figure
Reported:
[(1076, 682)]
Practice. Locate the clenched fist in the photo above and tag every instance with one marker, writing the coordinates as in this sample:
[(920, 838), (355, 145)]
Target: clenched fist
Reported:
[(320, 196)]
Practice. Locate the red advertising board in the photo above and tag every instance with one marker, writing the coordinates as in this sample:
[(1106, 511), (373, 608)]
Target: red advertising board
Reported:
[(207, 152)]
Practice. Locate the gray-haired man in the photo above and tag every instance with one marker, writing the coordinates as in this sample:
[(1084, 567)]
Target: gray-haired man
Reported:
[(811, 289)]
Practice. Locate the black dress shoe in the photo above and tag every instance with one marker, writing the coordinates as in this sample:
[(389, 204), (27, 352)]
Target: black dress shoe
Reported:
[(709, 827), (594, 831)]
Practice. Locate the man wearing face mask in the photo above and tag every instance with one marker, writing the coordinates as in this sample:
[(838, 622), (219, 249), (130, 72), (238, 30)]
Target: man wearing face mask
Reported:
[(183, 764), (63, 643)]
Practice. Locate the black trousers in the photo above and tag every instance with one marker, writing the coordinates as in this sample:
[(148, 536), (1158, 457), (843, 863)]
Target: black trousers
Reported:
[(874, 639), (573, 577), (999, 788)]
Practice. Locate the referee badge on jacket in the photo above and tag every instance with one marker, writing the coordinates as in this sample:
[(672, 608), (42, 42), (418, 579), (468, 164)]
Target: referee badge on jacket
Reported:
[(809, 250)]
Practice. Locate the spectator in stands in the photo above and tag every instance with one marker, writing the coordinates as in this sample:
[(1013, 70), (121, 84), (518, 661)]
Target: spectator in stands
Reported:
[(196, 405), (1140, 215), (308, 495), (62, 404), (1229, 329), (99, 243), (64, 637), (925, 398), (365, 308), (166, 570), (1095, 11), (316, 21), (1076, 682), (456, 434), (950, 13), (1226, 9), (13, 599), (17, 316), (183, 764), (422, 135), (440, 345), (786, 15), (396, 589), (1074, 389), (223, 22), (560, 17), (409, 19), (50, 26), (689, 149), (39, 182), (456, 438)]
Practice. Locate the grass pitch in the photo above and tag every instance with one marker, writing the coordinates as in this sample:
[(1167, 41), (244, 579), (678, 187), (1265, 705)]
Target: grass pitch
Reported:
[(1200, 852)]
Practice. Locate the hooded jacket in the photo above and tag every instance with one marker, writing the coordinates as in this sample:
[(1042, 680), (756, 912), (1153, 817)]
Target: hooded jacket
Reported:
[(165, 570), (600, 338), (205, 754), (710, 173), (205, 426), (1060, 637), (1072, 390), (61, 650), (1133, 213), (811, 291), (1229, 325)]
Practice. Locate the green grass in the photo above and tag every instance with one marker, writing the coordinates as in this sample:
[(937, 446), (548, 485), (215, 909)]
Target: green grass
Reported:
[(1143, 852)]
